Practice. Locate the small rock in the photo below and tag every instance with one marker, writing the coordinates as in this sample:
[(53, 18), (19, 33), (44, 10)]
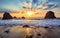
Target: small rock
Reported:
[(39, 34), (25, 26), (31, 36), (7, 31), (46, 27), (23, 17)]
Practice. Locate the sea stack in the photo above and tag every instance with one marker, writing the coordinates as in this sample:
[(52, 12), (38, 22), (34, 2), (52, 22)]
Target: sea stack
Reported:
[(6, 16), (50, 15)]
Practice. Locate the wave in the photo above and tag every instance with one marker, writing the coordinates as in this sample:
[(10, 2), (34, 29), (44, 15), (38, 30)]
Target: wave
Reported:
[(42, 22)]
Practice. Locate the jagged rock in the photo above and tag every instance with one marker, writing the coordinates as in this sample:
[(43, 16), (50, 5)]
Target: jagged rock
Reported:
[(50, 14), (6, 15)]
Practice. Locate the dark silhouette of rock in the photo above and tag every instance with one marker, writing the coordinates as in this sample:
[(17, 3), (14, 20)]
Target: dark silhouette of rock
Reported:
[(23, 17), (7, 31), (25, 26), (39, 34), (50, 14), (31, 36), (6, 15), (14, 17), (46, 27)]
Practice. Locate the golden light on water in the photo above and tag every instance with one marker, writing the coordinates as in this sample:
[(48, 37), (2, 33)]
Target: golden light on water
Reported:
[(29, 31)]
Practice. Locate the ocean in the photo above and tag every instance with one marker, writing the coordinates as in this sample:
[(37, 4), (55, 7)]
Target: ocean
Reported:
[(41, 22)]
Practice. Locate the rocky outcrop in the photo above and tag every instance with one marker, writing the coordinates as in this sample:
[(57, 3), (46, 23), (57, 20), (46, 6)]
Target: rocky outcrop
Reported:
[(50, 14), (23, 17), (6, 15), (14, 17)]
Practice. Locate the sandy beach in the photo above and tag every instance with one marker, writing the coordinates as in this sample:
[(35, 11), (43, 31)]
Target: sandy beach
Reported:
[(29, 32)]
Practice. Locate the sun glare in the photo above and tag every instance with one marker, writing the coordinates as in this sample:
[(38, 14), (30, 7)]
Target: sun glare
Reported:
[(29, 13)]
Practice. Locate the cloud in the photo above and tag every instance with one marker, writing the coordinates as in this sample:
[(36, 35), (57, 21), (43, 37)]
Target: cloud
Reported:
[(26, 4), (53, 4), (57, 10), (37, 3), (46, 4), (20, 4), (49, 6)]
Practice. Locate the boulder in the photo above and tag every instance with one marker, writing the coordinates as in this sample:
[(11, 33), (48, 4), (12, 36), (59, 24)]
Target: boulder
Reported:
[(50, 14), (6, 15), (14, 17), (23, 17), (26, 26)]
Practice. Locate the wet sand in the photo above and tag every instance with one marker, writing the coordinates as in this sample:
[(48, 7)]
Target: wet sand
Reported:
[(29, 32)]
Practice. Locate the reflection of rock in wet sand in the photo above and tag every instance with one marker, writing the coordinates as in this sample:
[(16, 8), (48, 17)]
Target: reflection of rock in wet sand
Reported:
[(29, 32)]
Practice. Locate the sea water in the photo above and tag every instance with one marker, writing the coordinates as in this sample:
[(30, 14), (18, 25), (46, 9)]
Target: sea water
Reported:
[(41, 22)]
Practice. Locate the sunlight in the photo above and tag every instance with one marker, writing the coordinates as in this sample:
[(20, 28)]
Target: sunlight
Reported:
[(29, 13), (29, 30)]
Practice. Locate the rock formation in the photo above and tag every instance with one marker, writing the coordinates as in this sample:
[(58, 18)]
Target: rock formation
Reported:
[(14, 17), (23, 17), (6, 15), (50, 14)]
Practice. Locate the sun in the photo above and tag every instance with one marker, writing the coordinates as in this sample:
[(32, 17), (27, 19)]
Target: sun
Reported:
[(29, 13)]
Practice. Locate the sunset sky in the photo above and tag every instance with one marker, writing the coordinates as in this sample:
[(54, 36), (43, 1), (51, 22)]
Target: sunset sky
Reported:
[(20, 5)]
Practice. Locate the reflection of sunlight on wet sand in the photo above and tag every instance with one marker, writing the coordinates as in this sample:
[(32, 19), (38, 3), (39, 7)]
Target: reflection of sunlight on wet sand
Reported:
[(20, 32), (28, 31)]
